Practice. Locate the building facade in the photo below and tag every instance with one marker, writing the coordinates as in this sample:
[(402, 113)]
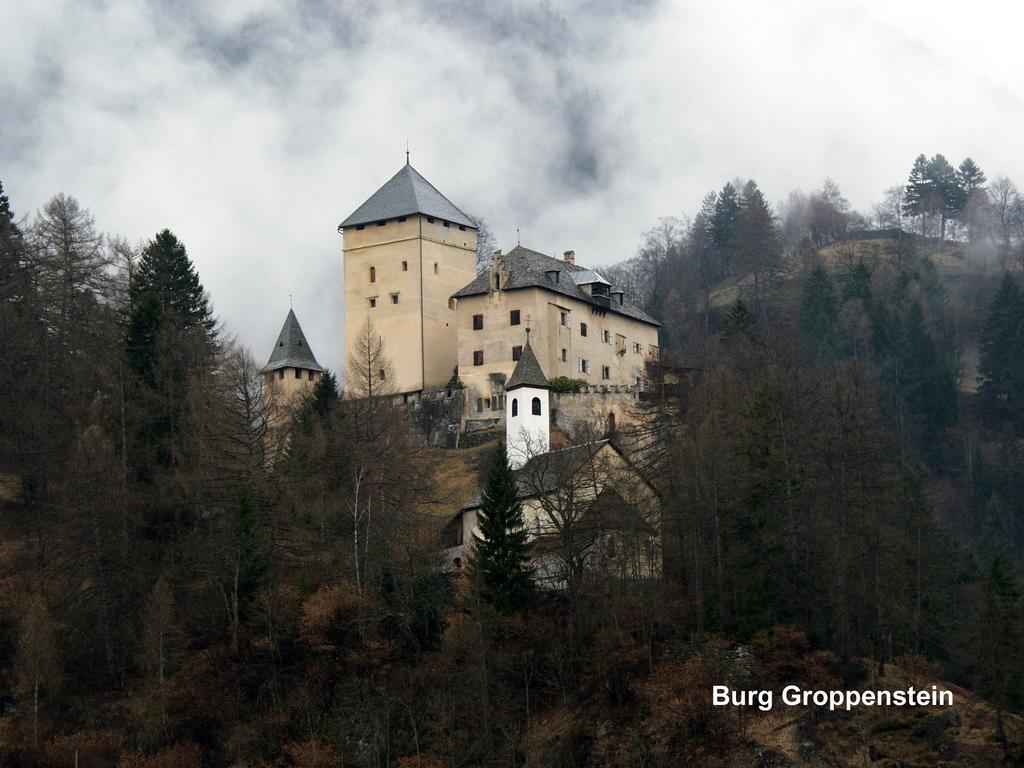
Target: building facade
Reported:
[(582, 327), (407, 249)]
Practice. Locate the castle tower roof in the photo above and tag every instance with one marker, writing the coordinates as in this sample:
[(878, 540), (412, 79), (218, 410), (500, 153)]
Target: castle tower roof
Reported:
[(528, 372), (406, 193), (292, 350)]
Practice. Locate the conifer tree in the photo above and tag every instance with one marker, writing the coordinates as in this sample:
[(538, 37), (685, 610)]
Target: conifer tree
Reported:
[(502, 554), (169, 304), (918, 191), (1002, 348), (818, 311)]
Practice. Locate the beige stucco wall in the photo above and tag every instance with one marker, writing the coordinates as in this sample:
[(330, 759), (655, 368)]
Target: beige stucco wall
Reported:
[(281, 394), (419, 331), (548, 338)]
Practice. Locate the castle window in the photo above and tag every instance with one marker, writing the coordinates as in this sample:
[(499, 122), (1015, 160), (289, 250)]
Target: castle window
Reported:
[(381, 223), (373, 302), (478, 357), (497, 282), (310, 374), (430, 219), (515, 406), (435, 267), (383, 374), (298, 373), (583, 329), (513, 317), (563, 318), (606, 372), (638, 347), (401, 218), (479, 405), (535, 406), (394, 298), (447, 224), (461, 228), (405, 266), (361, 226), (565, 355), (280, 373), (373, 274), (606, 336), (494, 402), (517, 352), (478, 322), (584, 365)]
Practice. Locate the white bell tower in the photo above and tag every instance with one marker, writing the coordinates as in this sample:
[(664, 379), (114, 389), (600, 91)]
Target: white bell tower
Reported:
[(527, 410)]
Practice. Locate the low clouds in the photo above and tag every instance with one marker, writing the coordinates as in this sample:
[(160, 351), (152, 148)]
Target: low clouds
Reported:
[(251, 129)]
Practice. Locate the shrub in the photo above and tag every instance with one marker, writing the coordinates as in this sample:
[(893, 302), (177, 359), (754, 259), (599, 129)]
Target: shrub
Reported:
[(562, 385)]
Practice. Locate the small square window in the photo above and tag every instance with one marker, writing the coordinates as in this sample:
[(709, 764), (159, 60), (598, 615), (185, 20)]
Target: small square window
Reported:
[(405, 266), (461, 228), (513, 317), (298, 373), (401, 218), (517, 352), (381, 223), (478, 357), (447, 224), (430, 219), (394, 298), (478, 322), (373, 302), (360, 226), (583, 329)]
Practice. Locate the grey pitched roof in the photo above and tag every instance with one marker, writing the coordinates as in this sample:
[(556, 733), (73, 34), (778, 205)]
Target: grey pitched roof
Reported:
[(529, 269), (407, 192), (292, 350), (528, 372), (543, 473)]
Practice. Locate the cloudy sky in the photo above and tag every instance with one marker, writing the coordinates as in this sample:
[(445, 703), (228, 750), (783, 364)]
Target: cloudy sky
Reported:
[(251, 129)]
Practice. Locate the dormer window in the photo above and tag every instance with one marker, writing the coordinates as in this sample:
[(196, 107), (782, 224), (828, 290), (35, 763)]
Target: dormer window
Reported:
[(553, 275)]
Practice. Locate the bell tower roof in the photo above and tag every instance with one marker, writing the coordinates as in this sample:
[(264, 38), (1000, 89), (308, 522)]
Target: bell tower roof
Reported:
[(406, 193), (292, 350), (528, 372)]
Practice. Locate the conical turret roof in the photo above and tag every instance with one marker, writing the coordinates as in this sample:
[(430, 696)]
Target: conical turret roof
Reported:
[(405, 193), (528, 372), (292, 350)]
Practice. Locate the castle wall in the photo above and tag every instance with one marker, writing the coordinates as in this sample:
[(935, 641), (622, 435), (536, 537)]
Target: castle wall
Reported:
[(419, 330), (548, 338)]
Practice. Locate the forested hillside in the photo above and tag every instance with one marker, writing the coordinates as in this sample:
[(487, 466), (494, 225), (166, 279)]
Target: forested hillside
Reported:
[(833, 437)]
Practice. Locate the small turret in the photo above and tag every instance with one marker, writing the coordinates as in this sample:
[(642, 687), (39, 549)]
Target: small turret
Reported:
[(292, 367), (527, 414)]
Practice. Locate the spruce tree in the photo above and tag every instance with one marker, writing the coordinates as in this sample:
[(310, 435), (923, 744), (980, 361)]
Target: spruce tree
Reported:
[(918, 191), (169, 308), (818, 311), (1002, 348), (502, 549)]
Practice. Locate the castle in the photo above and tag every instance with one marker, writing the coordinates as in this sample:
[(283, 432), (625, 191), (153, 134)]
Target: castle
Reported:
[(410, 274)]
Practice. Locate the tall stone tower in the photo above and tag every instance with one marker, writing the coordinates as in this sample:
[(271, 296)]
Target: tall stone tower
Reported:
[(527, 410), (292, 369), (407, 249)]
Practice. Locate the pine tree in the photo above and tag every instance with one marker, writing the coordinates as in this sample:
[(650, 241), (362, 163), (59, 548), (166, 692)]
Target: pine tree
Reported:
[(169, 308), (1002, 348), (502, 550), (918, 191), (723, 225), (947, 196), (970, 177), (818, 311)]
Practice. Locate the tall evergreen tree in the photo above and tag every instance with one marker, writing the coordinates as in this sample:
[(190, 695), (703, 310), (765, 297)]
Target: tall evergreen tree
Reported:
[(947, 197), (818, 310), (970, 177), (723, 224), (169, 305), (918, 191), (1002, 348), (502, 550)]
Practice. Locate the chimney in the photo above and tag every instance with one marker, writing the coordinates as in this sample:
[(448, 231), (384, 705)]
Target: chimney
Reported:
[(570, 257), (494, 273)]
